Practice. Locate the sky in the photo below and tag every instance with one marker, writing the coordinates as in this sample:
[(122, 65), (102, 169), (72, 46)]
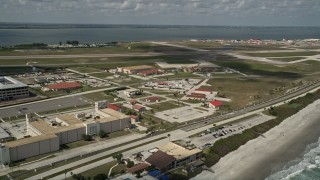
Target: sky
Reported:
[(164, 12)]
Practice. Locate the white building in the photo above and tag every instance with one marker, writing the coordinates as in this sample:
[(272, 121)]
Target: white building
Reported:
[(12, 89)]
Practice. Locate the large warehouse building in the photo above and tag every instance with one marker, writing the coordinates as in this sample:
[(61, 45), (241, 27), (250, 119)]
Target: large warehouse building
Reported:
[(47, 136), (12, 89)]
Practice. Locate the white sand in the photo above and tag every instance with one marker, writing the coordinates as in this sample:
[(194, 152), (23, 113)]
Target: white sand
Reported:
[(255, 159)]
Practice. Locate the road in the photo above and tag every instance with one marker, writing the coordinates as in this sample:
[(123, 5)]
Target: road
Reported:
[(80, 56)]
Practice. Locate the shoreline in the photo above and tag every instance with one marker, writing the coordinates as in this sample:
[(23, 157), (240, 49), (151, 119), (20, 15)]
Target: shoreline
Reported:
[(261, 157)]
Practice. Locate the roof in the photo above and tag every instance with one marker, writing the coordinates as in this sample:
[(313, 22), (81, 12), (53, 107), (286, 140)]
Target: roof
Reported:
[(160, 159), (138, 67), (7, 82), (153, 98), (149, 71), (114, 113), (178, 152), (46, 129), (216, 103), (134, 117), (138, 167), (29, 140), (65, 85), (3, 134), (137, 106), (114, 107), (69, 119)]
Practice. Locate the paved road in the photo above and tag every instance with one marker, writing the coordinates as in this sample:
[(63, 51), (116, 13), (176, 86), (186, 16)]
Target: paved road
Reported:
[(80, 56)]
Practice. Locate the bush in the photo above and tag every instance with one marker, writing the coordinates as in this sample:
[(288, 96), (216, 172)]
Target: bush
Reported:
[(102, 134), (100, 177), (86, 137)]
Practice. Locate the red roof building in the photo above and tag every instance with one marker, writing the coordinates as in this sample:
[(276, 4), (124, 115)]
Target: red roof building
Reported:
[(138, 167), (133, 101), (215, 103), (161, 160), (114, 107), (64, 86), (149, 72), (153, 99), (139, 108)]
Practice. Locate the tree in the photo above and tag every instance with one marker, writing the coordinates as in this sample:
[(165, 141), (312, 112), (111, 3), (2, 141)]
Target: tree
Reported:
[(169, 136), (118, 157), (86, 137), (102, 134), (130, 164), (100, 177)]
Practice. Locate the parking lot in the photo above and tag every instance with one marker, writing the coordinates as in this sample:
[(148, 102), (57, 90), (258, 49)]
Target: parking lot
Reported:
[(44, 106), (208, 138), (182, 114)]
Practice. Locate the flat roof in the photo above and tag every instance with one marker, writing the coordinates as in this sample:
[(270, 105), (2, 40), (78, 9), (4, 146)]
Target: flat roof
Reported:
[(114, 113), (69, 119), (29, 140), (3, 134), (13, 83), (47, 129), (177, 151), (138, 67)]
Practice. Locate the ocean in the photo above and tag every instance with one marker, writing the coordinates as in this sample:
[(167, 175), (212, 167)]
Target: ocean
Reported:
[(305, 168), (12, 34)]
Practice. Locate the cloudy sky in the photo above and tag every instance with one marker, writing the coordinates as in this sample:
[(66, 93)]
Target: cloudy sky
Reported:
[(184, 12)]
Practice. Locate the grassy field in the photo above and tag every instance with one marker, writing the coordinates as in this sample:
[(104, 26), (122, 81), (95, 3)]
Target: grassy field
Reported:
[(283, 54), (104, 169), (85, 69), (243, 91), (98, 96), (165, 106), (101, 75)]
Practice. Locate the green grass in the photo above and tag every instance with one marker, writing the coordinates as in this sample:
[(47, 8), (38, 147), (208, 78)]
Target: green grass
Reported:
[(85, 69), (101, 75), (98, 96), (104, 169), (165, 106)]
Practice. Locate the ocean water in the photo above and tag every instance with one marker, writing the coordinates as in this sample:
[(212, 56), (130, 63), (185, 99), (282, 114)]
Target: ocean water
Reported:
[(305, 168), (12, 34)]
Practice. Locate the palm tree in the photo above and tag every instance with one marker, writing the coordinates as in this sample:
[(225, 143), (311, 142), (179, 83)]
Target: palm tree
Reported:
[(169, 136)]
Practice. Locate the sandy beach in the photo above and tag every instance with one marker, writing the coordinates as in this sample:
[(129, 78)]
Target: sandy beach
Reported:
[(259, 157)]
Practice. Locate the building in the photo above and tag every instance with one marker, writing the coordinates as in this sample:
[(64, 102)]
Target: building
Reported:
[(132, 102), (4, 135), (64, 86), (115, 107), (66, 128), (199, 96), (140, 109), (215, 104), (149, 72), (12, 89), (183, 155), (134, 69), (203, 91), (171, 155), (153, 99), (134, 119), (161, 161), (132, 92)]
